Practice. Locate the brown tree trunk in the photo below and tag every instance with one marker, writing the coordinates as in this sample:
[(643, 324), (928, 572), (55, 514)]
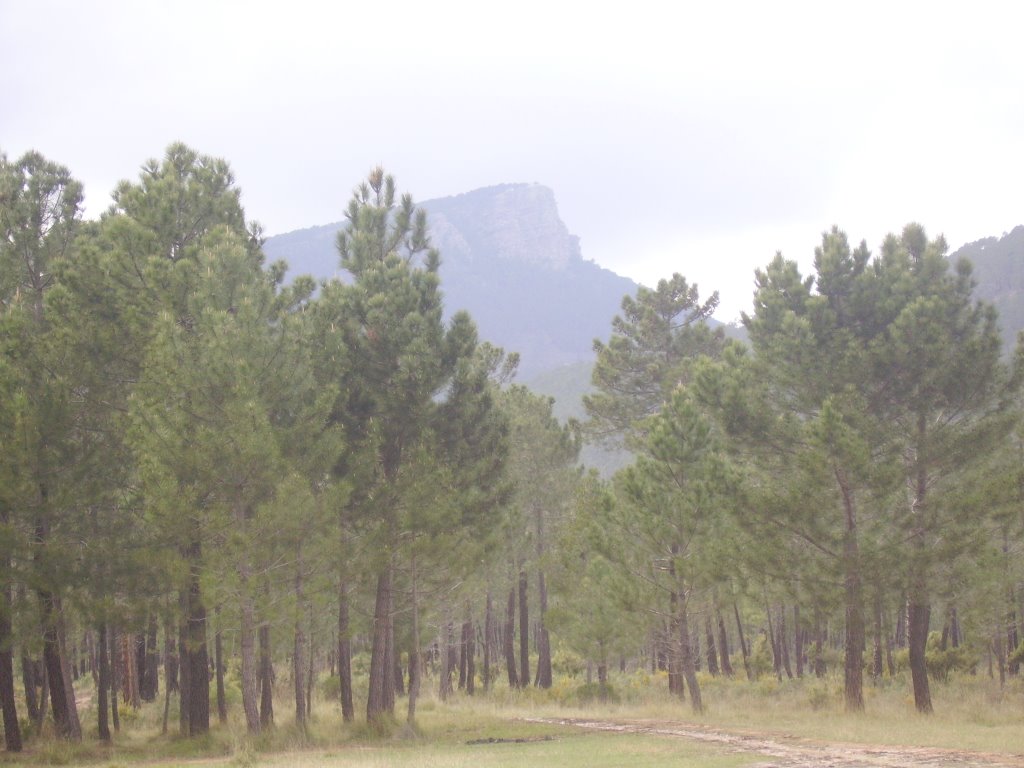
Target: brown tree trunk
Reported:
[(112, 641), (266, 677), (447, 637), (299, 646), (65, 713), (524, 631), (348, 711), (152, 662), (218, 673), (247, 646), (876, 641), (743, 643), (380, 700), (12, 729), (709, 636), (723, 643), (194, 654), (414, 647), (510, 641), (469, 641), (784, 642), (918, 616), (103, 687), (689, 668), (30, 681), (488, 631), (773, 642)]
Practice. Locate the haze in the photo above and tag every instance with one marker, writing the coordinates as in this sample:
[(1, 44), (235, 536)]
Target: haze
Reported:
[(685, 139)]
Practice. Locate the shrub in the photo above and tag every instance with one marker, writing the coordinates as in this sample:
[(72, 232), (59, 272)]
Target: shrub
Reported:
[(601, 692)]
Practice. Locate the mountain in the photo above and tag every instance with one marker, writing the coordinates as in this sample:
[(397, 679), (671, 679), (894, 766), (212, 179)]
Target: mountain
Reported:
[(509, 260), (999, 271)]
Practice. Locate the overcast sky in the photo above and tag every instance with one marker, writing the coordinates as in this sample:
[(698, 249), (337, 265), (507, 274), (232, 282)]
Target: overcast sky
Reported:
[(678, 137)]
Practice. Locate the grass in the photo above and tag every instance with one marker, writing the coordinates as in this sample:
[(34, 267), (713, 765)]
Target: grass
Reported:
[(972, 712)]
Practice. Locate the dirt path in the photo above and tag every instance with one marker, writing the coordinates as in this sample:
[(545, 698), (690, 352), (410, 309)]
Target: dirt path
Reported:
[(787, 752)]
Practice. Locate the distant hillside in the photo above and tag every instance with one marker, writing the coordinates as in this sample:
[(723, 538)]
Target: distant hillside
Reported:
[(509, 260), (999, 271)]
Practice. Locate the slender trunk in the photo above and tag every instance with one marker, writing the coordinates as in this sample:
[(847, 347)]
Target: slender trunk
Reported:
[(115, 715), (488, 631), (509, 640), (798, 637), (854, 601), (1000, 654), (723, 643), (819, 658), (743, 643), (102, 689), (876, 641), (266, 677), (311, 656), (298, 668), (195, 653), (152, 662), (12, 729), (184, 667), (168, 680), (469, 642), (524, 631), (543, 679), (709, 636), (445, 685), (773, 642), (246, 640), (414, 647), (784, 642), (919, 607), (65, 713), (44, 696), (218, 671), (689, 668), (382, 678), (348, 711), (463, 661), (29, 680), (671, 643)]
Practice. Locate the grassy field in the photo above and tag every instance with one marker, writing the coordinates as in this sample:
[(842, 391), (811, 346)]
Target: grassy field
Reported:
[(972, 713)]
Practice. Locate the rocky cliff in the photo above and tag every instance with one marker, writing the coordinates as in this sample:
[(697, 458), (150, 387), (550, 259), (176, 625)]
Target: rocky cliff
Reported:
[(509, 260)]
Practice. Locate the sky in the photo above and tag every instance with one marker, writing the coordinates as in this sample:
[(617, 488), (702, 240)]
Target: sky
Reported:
[(688, 137)]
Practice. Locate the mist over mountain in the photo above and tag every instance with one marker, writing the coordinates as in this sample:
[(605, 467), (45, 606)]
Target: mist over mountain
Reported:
[(509, 260), (999, 272)]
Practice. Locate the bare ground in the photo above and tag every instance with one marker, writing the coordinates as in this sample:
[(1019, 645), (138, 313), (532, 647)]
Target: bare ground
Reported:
[(793, 752)]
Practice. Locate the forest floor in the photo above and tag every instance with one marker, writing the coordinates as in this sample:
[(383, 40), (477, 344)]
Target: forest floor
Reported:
[(787, 751)]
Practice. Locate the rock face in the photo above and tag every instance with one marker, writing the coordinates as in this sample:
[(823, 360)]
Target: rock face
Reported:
[(509, 260)]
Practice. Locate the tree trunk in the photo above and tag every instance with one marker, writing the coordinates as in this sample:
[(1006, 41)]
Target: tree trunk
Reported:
[(444, 689), (62, 695), (414, 647), (246, 641), (543, 679), (152, 662), (510, 641), (299, 646), (380, 700), (798, 641), (709, 636), (103, 687), (348, 711), (463, 661), (876, 641), (29, 680), (689, 668), (918, 616), (266, 677), (218, 672), (194, 653), (524, 631), (469, 642), (115, 715), (773, 642), (743, 643), (784, 642), (12, 729), (488, 631), (723, 643)]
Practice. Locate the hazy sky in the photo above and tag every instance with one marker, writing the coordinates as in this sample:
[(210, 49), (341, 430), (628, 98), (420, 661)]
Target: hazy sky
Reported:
[(689, 137)]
